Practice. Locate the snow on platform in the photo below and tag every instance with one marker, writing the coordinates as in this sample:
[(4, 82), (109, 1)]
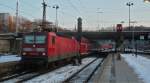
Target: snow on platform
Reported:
[(140, 64), (59, 75), (9, 58)]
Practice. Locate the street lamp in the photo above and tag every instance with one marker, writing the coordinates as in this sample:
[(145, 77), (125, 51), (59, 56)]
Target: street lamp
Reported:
[(129, 4), (98, 12), (56, 21), (133, 41)]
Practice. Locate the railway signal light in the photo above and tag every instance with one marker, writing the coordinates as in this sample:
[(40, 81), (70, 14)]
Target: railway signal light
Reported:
[(119, 27)]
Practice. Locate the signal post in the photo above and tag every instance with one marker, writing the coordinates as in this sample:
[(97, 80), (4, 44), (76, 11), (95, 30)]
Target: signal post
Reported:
[(119, 40)]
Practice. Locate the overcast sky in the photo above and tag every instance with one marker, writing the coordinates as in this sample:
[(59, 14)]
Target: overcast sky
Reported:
[(113, 11)]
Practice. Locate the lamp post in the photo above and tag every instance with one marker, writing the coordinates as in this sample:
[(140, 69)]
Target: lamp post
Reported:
[(98, 12), (133, 41), (56, 21), (129, 4), (17, 8)]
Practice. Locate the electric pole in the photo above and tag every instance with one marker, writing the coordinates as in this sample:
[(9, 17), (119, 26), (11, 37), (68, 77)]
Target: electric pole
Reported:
[(98, 12), (44, 15), (17, 7), (56, 21), (129, 4)]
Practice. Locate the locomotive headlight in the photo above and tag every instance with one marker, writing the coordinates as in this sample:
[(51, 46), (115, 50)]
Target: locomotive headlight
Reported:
[(43, 53), (23, 53)]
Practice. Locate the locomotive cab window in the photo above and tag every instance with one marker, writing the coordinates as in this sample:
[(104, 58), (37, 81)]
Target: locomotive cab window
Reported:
[(40, 39), (53, 39), (29, 39)]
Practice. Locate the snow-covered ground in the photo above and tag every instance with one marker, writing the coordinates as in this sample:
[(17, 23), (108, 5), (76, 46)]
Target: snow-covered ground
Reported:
[(133, 50), (59, 75), (9, 58), (141, 66)]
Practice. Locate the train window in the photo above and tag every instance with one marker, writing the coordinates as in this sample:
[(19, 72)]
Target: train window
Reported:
[(29, 39), (40, 39), (53, 39)]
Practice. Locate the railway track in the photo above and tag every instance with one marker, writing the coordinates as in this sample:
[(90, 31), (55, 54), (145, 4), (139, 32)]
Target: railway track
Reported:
[(60, 74), (27, 76), (85, 74), (7, 68), (21, 78), (16, 71), (14, 76)]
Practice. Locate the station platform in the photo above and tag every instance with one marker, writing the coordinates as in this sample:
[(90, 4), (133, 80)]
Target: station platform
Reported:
[(116, 71)]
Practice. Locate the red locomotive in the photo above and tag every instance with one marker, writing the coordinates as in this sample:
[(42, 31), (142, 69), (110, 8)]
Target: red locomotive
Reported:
[(46, 47)]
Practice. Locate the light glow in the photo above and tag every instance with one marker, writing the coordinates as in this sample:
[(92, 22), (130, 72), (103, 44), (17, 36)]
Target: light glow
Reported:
[(24, 53), (43, 53), (146, 1)]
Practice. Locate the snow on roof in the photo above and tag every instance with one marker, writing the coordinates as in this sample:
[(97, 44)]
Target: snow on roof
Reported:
[(9, 58), (140, 64)]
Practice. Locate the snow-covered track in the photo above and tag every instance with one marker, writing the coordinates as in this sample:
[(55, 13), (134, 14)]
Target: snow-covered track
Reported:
[(9, 69), (61, 74), (26, 76), (84, 75), (13, 76), (57, 75), (8, 64)]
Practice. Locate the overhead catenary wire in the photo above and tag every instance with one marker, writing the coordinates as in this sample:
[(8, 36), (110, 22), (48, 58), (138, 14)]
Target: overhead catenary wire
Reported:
[(63, 9), (77, 10), (25, 12), (81, 3), (82, 6), (28, 4), (24, 7), (21, 11), (74, 7)]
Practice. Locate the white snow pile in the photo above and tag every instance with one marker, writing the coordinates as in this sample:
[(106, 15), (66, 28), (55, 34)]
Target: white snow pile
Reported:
[(9, 58), (141, 66), (59, 75)]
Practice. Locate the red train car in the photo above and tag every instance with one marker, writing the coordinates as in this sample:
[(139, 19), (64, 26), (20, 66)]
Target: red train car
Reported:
[(106, 46), (84, 46), (46, 47)]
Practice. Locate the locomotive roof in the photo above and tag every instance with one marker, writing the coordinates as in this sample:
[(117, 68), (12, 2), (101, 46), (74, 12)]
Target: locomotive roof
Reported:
[(53, 33), (64, 35)]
